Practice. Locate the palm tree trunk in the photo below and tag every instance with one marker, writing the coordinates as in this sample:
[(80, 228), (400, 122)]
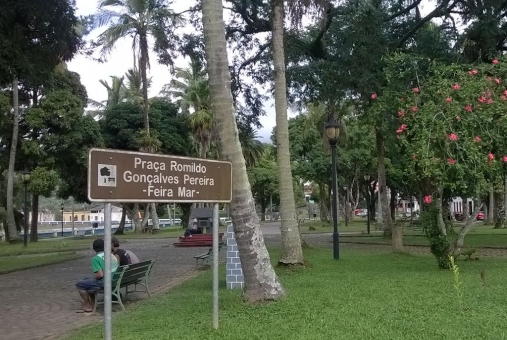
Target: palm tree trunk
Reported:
[(261, 281), (292, 253), (13, 232), (143, 44), (154, 216), (396, 231)]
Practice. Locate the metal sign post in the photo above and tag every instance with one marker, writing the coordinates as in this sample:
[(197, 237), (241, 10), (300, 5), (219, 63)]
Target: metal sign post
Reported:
[(107, 275), (215, 264), (134, 177)]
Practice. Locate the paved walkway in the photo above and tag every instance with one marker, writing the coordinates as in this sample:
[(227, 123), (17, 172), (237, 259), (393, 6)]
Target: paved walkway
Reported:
[(40, 303)]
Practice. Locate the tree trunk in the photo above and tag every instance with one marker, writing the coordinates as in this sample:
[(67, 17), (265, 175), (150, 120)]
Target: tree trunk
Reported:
[(491, 210), (261, 281), (154, 216), (440, 217), (34, 237), (292, 252), (263, 211), (146, 216), (395, 230), (466, 212), (186, 209), (135, 220), (458, 244), (143, 44), (13, 232), (392, 205), (121, 227)]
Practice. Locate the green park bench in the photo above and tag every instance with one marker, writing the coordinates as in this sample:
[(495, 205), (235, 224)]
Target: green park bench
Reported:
[(206, 258), (124, 277)]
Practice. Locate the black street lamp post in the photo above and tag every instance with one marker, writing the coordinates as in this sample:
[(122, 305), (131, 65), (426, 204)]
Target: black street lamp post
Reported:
[(62, 217), (368, 204), (26, 179), (332, 132)]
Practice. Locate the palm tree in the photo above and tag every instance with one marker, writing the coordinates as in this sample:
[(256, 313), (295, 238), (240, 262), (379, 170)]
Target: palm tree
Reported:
[(137, 19), (190, 88), (253, 149), (261, 281), (292, 252)]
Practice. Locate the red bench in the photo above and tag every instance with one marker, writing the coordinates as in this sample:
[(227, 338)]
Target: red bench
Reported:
[(198, 240)]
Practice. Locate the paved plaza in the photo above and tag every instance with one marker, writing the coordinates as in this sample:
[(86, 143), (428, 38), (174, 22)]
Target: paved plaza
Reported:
[(40, 303)]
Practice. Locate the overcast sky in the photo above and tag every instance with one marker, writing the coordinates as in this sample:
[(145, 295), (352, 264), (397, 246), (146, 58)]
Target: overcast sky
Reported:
[(121, 59)]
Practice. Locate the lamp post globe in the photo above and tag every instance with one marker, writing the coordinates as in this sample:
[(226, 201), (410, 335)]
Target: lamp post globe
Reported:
[(26, 178), (332, 133)]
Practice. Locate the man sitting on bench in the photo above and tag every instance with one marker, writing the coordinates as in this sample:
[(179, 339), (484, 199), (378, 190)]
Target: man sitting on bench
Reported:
[(124, 257), (195, 229), (88, 286)]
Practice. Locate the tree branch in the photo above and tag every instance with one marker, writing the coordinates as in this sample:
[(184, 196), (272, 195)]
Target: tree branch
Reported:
[(436, 12), (403, 11)]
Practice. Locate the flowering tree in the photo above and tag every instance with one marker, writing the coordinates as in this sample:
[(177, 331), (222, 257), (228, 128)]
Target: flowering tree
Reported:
[(450, 122)]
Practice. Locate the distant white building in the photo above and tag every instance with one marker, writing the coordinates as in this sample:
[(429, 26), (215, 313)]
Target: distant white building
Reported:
[(456, 206), (97, 213)]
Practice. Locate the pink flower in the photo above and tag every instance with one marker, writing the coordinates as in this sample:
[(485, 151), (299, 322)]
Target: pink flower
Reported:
[(488, 78), (504, 93), (428, 199), (403, 126), (504, 158), (468, 108), (497, 81), (491, 157), (473, 72), (451, 161), (415, 108), (456, 86), (495, 61), (477, 139), (488, 94), (448, 99), (482, 99), (401, 113), (374, 96), (453, 137), (416, 90), (503, 98), (458, 118), (413, 157), (399, 131), (490, 101)]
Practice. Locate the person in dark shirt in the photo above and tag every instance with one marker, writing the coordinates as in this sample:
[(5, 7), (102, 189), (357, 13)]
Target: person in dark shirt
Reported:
[(125, 257)]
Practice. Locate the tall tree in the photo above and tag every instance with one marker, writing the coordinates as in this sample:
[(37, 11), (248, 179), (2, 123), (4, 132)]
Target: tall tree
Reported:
[(292, 251), (35, 38), (261, 281), (138, 19)]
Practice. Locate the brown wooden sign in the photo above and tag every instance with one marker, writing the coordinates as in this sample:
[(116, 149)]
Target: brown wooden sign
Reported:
[(128, 176)]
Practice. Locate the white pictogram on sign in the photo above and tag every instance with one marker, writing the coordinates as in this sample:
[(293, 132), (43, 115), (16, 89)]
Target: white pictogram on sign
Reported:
[(107, 175)]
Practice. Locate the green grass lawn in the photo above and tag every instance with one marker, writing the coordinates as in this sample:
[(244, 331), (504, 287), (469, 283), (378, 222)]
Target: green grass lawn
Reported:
[(361, 296), (13, 263), (45, 246), (357, 225)]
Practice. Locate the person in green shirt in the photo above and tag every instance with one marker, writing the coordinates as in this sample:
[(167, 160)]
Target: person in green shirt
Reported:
[(88, 286)]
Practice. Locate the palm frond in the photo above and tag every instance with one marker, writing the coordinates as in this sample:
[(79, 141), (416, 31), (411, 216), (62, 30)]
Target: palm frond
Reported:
[(106, 3), (104, 17)]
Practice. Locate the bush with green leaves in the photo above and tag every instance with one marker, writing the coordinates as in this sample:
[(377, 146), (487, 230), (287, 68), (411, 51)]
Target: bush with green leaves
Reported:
[(439, 244)]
